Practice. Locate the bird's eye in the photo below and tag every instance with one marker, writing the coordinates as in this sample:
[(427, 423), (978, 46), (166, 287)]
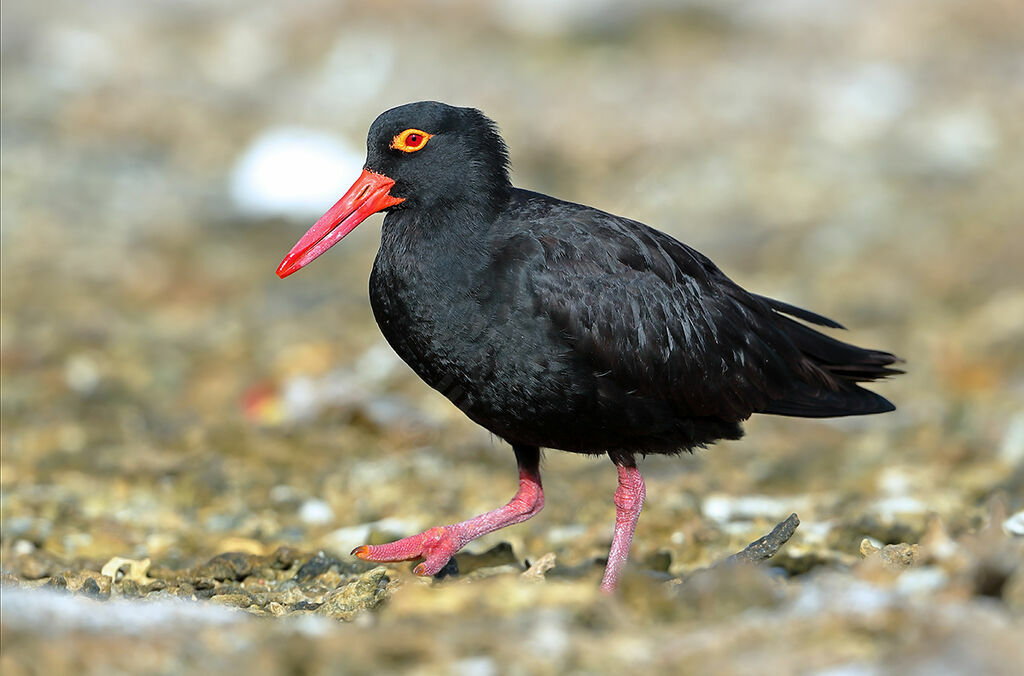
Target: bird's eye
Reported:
[(410, 140)]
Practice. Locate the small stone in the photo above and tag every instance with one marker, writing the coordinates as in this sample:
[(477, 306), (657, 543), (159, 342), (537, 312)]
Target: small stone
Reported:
[(118, 569), (130, 589), (292, 172), (228, 566), (1014, 525), (899, 556), (92, 588), (723, 508), (539, 568), (81, 374), (87, 582), (480, 665), (315, 567), (235, 600), (316, 512), (155, 586), (23, 548), (366, 593), (284, 557), (304, 606), (867, 547)]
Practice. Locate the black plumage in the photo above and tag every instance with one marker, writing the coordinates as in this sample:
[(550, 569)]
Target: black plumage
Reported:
[(557, 325)]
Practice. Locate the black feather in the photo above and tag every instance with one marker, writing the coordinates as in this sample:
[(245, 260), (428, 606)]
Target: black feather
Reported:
[(800, 313)]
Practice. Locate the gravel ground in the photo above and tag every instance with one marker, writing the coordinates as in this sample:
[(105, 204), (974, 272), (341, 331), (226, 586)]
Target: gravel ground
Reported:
[(190, 446)]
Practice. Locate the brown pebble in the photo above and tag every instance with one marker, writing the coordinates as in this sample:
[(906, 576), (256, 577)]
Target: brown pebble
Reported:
[(899, 556)]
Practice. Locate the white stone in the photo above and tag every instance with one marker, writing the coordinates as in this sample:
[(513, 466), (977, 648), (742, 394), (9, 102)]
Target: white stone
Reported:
[(293, 172), (958, 141), (302, 400), (81, 374), (899, 504), (722, 508), (922, 580), (480, 665), (315, 511), (1011, 448), (1015, 524), (22, 547)]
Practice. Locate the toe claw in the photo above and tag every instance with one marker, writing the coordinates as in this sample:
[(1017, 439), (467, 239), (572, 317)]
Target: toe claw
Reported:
[(362, 551), (420, 570)]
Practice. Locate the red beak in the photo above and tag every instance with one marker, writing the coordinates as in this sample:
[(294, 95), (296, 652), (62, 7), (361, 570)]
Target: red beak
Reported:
[(368, 195)]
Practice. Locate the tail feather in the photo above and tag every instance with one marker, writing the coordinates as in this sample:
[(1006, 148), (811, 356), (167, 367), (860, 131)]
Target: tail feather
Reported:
[(838, 358), (811, 401), (800, 313), (837, 368)]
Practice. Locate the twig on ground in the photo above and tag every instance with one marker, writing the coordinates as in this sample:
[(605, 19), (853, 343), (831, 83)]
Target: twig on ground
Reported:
[(766, 547)]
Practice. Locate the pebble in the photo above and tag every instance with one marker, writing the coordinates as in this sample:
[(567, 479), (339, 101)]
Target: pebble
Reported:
[(724, 508), (480, 665), (958, 142), (23, 547), (81, 374), (924, 580), (316, 512), (293, 172), (367, 592), (1015, 524), (1011, 448)]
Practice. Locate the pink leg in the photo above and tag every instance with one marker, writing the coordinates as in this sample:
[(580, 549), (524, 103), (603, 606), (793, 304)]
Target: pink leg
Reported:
[(629, 500), (438, 545)]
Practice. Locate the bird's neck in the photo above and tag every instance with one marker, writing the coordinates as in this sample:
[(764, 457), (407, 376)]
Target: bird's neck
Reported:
[(448, 226)]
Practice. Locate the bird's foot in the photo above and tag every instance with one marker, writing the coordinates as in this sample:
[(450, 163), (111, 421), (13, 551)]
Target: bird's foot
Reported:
[(435, 545), (438, 545)]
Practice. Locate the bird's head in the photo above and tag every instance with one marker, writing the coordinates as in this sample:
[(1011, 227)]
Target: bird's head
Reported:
[(427, 156)]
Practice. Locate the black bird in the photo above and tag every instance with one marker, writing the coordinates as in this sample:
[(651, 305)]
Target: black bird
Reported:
[(557, 325)]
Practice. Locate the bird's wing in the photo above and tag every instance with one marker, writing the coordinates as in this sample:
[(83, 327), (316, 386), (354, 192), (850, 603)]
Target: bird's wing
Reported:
[(655, 316)]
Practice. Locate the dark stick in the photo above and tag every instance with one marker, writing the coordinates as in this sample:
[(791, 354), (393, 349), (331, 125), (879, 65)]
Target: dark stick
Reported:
[(766, 547)]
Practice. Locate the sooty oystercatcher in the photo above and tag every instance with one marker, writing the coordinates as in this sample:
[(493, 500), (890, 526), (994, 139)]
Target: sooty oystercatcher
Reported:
[(557, 325)]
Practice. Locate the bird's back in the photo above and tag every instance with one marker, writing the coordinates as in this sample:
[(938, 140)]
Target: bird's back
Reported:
[(659, 326)]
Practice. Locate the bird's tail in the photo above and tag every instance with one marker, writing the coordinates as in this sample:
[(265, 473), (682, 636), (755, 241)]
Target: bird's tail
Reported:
[(834, 369)]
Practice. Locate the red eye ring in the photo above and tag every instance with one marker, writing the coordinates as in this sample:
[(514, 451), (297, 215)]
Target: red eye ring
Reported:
[(410, 140)]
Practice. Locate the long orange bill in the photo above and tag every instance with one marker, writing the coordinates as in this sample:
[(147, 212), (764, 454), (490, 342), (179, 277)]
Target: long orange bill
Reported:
[(368, 195)]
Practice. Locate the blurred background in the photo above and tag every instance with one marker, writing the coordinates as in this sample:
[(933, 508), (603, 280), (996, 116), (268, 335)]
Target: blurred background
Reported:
[(165, 396)]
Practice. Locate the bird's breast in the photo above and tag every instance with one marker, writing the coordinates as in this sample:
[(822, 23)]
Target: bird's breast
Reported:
[(427, 315), (483, 347)]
